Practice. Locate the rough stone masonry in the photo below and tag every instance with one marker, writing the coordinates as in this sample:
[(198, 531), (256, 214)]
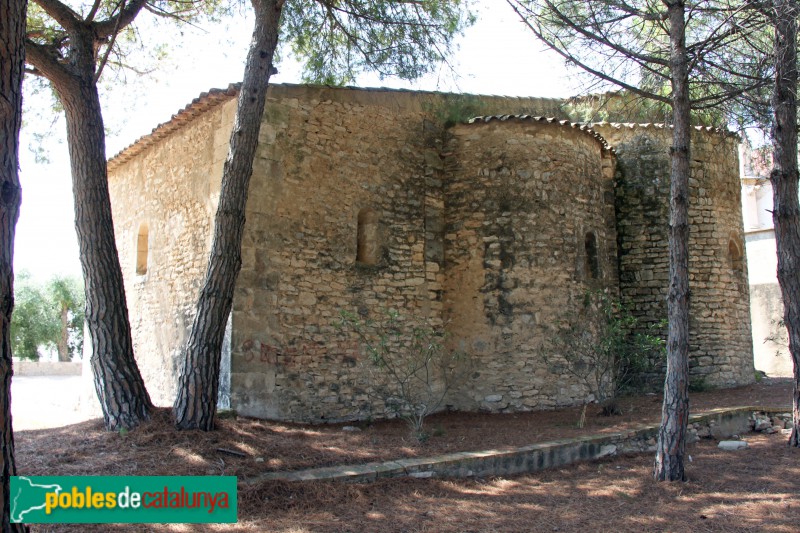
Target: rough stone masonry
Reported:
[(370, 199)]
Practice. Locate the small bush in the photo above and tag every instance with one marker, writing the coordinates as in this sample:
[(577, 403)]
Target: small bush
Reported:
[(602, 345), (410, 370), (778, 337), (456, 108), (699, 384)]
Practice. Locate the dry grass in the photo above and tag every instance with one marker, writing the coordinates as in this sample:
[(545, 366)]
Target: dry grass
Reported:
[(750, 490)]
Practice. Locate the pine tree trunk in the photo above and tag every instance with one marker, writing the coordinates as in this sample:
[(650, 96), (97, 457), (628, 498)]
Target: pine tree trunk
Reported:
[(196, 401), (675, 409), (12, 33), (63, 340), (117, 380), (784, 176)]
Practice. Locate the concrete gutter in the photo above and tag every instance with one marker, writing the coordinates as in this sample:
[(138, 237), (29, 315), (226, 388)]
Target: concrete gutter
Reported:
[(718, 424)]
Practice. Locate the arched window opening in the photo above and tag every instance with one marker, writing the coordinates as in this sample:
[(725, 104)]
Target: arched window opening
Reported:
[(368, 246), (142, 248), (735, 254), (592, 266)]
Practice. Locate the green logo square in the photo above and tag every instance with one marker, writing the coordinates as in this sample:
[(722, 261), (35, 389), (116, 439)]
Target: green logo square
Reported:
[(123, 499)]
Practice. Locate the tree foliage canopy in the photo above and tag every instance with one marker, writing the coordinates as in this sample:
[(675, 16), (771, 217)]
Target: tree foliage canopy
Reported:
[(335, 40), (626, 43), (405, 38), (33, 326), (53, 27), (37, 324)]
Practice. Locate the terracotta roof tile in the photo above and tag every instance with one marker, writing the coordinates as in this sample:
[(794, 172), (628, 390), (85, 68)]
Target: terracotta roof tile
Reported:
[(547, 120), (652, 125), (206, 101)]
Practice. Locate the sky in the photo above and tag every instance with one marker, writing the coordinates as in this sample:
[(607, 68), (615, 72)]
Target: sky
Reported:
[(497, 55)]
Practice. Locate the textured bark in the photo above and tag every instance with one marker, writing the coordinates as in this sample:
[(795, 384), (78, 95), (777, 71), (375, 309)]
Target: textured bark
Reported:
[(12, 32), (784, 176), (117, 380), (671, 446), (63, 339), (196, 401)]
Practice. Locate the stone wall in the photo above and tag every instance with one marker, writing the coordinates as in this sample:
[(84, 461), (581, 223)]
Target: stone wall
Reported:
[(326, 159), (720, 335), (522, 195), (367, 200), (321, 163), (47, 368), (171, 188)]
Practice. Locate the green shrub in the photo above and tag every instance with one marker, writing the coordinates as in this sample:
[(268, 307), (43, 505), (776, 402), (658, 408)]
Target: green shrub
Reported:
[(604, 346), (699, 384), (456, 108), (409, 368)]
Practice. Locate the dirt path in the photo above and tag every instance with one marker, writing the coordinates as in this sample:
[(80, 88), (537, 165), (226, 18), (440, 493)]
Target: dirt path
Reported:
[(40, 402)]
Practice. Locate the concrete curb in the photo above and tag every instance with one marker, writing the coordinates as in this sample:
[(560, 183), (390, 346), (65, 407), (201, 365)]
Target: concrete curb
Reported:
[(720, 423)]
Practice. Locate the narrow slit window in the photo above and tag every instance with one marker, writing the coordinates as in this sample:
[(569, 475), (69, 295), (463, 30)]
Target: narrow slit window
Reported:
[(736, 263), (368, 241), (142, 249), (735, 255), (592, 265)]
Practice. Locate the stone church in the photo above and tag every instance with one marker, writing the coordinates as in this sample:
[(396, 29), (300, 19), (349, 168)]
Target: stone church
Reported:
[(372, 199)]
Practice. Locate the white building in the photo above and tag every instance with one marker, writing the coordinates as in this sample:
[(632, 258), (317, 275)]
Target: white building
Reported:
[(770, 343)]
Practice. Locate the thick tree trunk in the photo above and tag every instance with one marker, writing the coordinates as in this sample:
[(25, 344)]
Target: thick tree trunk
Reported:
[(63, 340), (117, 380), (196, 401), (12, 33), (675, 410), (784, 176)]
